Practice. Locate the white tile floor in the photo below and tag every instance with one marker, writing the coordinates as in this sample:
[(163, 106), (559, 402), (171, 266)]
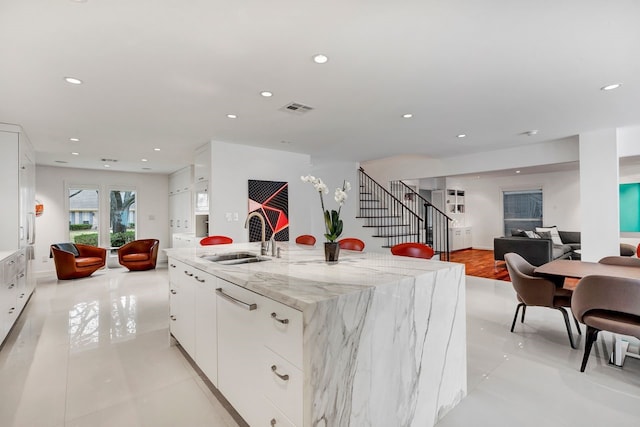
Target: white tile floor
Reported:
[(96, 352)]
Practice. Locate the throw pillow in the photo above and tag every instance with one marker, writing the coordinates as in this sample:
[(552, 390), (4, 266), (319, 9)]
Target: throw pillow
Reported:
[(532, 235), (555, 236), (516, 232), (544, 235)]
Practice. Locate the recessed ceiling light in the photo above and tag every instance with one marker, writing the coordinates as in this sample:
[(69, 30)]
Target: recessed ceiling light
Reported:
[(266, 93), (156, 149), (144, 160), (320, 59), (107, 166), (75, 154), (531, 132), (407, 116), (611, 87), (74, 139), (517, 171), (73, 80), (462, 135), (232, 116)]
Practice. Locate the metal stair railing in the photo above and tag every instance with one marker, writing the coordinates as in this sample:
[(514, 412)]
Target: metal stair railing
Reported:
[(436, 222), (382, 210)]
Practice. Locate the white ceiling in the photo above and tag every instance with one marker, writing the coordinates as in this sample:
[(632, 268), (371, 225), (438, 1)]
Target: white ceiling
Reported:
[(165, 73)]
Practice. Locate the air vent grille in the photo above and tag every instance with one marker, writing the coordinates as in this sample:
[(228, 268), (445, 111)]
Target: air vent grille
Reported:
[(108, 160), (296, 108)]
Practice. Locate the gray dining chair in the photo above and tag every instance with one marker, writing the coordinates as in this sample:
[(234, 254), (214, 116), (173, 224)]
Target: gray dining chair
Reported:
[(621, 260), (537, 291), (606, 303)]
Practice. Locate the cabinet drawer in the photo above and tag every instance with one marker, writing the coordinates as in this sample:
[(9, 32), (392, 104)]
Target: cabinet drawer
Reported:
[(283, 331), (272, 416), (175, 268), (282, 385)]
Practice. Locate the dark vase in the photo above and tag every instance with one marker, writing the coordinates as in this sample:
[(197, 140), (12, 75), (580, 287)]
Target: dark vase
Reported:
[(331, 251)]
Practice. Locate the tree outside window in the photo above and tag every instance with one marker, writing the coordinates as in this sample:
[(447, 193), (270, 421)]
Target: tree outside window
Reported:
[(122, 213)]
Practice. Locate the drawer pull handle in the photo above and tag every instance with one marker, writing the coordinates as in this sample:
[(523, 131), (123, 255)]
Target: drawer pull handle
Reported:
[(172, 317), (273, 422), (188, 274), (275, 317), (237, 302), (173, 292), (199, 279), (172, 265), (284, 377)]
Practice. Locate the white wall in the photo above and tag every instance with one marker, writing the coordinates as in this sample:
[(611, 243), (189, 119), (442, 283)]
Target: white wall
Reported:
[(52, 227), (483, 199), (417, 167), (233, 165)]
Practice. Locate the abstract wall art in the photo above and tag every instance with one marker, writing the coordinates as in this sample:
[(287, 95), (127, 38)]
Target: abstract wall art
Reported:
[(271, 200)]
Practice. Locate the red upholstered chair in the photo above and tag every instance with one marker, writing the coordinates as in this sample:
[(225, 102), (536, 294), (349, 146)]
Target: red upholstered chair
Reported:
[(351, 244), (75, 260), (416, 250), (139, 255), (215, 240), (306, 239)]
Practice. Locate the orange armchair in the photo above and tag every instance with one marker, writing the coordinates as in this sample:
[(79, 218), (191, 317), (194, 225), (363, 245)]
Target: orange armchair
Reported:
[(75, 260), (139, 255)]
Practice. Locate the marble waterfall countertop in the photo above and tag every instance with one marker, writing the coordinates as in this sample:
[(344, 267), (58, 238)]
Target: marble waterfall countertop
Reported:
[(384, 337), (301, 277)]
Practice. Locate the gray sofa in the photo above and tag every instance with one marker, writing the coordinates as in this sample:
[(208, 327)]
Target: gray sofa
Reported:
[(541, 251), (535, 251)]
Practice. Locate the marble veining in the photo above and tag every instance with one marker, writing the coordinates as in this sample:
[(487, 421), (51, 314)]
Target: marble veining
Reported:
[(383, 336)]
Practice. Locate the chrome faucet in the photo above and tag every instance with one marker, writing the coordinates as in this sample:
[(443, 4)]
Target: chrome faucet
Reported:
[(263, 243)]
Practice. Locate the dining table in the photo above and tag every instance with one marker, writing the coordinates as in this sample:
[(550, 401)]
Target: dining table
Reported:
[(561, 268), (580, 269)]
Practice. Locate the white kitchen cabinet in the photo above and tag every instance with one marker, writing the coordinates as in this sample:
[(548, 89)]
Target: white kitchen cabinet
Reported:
[(239, 348), (181, 180), (459, 238), (238, 337), (206, 334), (182, 304), (181, 201), (14, 291), (184, 240), (202, 164)]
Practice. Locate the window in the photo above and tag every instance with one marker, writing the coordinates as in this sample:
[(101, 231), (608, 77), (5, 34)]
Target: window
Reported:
[(522, 209), (84, 215), (122, 217)]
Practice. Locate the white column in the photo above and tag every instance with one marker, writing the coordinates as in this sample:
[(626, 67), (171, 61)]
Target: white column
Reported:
[(599, 194)]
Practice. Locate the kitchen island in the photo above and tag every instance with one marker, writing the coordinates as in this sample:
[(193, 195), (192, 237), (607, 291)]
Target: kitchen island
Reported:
[(374, 340)]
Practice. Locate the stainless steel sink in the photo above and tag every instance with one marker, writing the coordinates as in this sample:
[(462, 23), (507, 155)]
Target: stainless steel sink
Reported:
[(234, 258)]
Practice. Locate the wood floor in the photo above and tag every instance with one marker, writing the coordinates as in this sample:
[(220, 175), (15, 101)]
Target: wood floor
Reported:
[(480, 263)]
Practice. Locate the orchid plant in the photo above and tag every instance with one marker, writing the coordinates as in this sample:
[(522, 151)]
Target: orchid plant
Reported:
[(332, 221)]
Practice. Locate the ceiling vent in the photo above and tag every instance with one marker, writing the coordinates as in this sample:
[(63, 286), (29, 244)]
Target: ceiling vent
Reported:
[(296, 108), (108, 160)]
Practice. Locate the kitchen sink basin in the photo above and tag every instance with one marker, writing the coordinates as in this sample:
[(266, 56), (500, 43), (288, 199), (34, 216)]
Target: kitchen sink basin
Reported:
[(234, 258)]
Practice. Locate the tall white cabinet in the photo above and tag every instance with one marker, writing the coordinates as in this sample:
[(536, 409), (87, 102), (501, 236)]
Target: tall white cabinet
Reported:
[(17, 224), (181, 201)]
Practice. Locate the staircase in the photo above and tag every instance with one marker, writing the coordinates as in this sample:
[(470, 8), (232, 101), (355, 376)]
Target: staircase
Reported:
[(398, 221)]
